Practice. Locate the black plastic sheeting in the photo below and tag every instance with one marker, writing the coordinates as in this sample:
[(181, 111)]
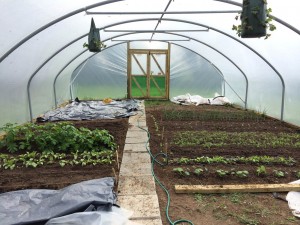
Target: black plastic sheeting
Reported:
[(37, 206), (90, 110)]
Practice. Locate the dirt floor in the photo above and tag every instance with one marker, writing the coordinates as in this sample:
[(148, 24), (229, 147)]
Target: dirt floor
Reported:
[(57, 177), (164, 123)]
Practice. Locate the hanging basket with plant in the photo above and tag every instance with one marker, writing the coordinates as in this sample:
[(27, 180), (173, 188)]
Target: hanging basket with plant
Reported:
[(94, 42), (255, 20)]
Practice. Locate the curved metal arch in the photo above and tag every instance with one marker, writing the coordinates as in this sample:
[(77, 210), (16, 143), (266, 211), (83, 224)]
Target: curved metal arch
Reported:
[(196, 40), (84, 61), (67, 45), (274, 17), (216, 68), (221, 32), (40, 67), (54, 89), (54, 83), (246, 79), (54, 22)]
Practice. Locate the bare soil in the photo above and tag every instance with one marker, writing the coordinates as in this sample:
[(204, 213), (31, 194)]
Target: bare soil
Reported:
[(56, 177), (224, 209)]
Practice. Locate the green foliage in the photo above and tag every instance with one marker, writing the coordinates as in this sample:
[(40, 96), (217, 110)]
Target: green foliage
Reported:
[(279, 173), (35, 159), (242, 173), (237, 159), (57, 137), (198, 171), (209, 139), (222, 173), (181, 171), (261, 171), (212, 115), (298, 174)]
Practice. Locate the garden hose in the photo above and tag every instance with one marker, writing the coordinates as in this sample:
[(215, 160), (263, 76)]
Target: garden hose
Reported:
[(153, 161)]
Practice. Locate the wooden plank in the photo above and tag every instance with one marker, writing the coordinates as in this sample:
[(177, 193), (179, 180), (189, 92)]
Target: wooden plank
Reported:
[(128, 71), (137, 61), (138, 85), (210, 189), (154, 81), (156, 62)]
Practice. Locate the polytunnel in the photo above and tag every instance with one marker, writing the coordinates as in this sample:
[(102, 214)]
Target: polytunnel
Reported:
[(44, 63)]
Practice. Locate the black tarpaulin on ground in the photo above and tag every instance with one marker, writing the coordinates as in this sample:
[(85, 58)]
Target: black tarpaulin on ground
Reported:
[(89, 110), (37, 206)]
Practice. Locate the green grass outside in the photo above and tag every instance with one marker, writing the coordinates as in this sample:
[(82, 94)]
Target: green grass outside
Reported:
[(142, 81)]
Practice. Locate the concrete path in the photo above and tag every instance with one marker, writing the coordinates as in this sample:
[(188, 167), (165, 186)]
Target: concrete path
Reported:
[(136, 190)]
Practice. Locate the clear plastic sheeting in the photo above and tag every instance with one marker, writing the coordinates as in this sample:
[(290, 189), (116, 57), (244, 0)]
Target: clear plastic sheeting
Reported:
[(37, 206), (269, 69), (188, 99), (89, 110)]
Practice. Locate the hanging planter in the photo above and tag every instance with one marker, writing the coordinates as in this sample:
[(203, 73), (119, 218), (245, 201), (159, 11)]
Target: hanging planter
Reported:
[(94, 42), (255, 20)]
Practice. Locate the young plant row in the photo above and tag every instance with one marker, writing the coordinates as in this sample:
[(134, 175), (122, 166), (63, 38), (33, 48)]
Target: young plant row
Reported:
[(212, 115), (260, 172), (279, 160), (35, 159), (58, 137), (208, 139)]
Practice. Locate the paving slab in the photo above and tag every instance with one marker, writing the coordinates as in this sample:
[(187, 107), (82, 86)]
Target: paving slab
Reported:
[(145, 222), (134, 128), (136, 133), (141, 147), (143, 206), (137, 140), (135, 157), (138, 185), (136, 169)]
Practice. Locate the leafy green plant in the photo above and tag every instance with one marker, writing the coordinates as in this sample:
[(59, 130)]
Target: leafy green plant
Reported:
[(97, 44), (261, 171), (255, 11), (242, 173), (198, 171), (222, 173), (63, 137), (298, 174), (181, 171), (279, 173)]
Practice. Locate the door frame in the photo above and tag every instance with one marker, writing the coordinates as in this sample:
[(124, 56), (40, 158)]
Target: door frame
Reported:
[(148, 52)]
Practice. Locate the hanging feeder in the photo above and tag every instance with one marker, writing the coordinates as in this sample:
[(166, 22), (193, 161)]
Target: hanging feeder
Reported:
[(253, 18), (94, 42)]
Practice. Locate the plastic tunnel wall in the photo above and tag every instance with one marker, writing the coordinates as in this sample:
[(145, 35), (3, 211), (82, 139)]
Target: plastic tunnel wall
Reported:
[(25, 45), (189, 74)]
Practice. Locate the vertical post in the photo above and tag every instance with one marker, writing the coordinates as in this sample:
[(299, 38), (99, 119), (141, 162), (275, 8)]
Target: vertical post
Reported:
[(148, 74), (128, 71), (168, 63)]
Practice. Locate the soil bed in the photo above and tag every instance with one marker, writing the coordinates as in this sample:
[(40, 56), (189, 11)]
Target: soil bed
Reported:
[(178, 131), (54, 176)]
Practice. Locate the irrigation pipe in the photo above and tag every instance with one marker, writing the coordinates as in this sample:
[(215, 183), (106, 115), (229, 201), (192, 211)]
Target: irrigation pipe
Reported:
[(153, 161)]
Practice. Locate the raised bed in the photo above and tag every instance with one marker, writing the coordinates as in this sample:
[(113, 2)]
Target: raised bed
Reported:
[(222, 145)]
